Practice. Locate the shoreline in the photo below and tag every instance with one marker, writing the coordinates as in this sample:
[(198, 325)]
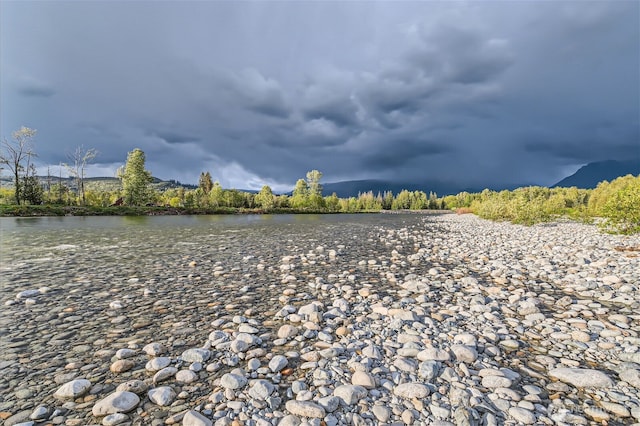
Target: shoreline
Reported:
[(57, 211)]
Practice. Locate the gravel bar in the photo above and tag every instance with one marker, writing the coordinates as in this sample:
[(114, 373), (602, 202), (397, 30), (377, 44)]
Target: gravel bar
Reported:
[(354, 320)]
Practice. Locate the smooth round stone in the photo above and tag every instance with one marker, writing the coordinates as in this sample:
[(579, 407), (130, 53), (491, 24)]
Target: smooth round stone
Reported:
[(406, 364), (464, 353), (163, 395), (582, 377), (295, 318), (253, 364), (329, 403), (115, 419), (196, 355), (610, 279), (41, 412), (467, 339), (287, 331), (350, 394), (193, 418), (616, 409), (246, 328), (164, 374), (411, 390), (122, 365), (433, 354), (580, 336), (249, 339), (277, 363), (305, 409), (493, 382), (597, 414), (522, 415), (217, 336), (342, 331), (408, 417), (232, 381), (290, 420), (154, 349), (186, 376), (73, 389), (23, 393), (364, 292), (631, 376), (125, 353), (364, 379), (381, 412), (439, 412), (136, 386), (158, 363), (408, 352), (428, 370), (510, 344), (117, 402), (261, 390), (239, 346)]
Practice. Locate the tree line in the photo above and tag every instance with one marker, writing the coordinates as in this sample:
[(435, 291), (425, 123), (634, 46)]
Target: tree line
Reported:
[(615, 205)]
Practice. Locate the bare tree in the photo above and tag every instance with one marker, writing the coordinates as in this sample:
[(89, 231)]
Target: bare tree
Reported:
[(15, 152), (79, 160)]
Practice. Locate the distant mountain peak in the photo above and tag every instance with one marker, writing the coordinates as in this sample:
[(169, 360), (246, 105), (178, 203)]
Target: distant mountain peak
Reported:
[(589, 175)]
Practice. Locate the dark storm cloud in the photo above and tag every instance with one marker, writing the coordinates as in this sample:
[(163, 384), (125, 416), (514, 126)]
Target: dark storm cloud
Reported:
[(36, 91), (173, 137), (451, 53), (258, 93), (401, 153), (342, 112), (261, 92)]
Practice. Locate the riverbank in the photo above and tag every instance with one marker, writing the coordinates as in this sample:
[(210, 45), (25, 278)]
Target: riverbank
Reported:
[(54, 210), (409, 319)]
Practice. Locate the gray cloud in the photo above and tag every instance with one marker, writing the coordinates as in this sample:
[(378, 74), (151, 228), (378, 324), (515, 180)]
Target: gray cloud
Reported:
[(36, 91), (258, 93), (480, 93), (173, 137), (402, 153)]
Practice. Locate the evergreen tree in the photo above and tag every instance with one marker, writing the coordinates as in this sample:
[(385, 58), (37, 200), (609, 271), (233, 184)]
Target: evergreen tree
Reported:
[(32, 191)]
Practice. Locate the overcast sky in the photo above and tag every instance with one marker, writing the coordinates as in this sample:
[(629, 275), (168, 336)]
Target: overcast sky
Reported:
[(479, 93)]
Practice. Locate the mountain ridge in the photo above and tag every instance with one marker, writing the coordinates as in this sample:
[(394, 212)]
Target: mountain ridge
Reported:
[(589, 175), (586, 177)]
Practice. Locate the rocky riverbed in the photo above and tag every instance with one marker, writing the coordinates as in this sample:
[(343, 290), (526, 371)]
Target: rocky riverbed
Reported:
[(434, 320)]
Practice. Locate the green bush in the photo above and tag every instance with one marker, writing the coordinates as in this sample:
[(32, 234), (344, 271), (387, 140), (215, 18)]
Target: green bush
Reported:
[(620, 208)]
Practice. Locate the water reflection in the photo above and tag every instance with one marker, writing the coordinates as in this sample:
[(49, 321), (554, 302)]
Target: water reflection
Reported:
[(177, 223), (29, 221), (135, 220)]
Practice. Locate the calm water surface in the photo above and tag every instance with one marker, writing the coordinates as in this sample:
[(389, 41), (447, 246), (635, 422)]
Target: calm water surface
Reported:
[(68, 245)]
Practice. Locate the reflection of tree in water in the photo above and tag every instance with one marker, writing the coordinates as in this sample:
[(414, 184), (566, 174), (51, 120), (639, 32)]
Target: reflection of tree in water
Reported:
[(135, 220)]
